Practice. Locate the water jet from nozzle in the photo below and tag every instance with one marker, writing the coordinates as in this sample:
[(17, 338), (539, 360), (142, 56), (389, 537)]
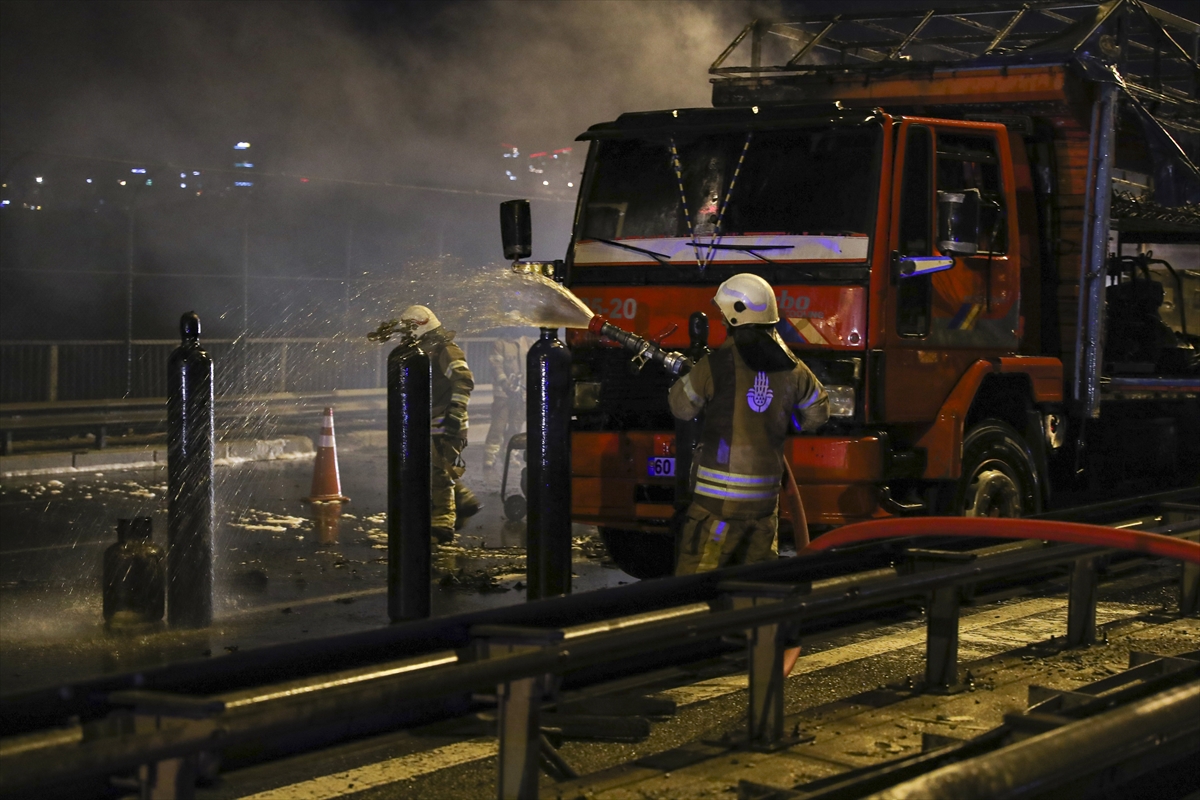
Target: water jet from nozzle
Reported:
[(543, 303)]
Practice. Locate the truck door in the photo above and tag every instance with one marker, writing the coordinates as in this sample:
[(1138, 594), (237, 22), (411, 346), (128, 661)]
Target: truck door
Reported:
[(941, 322)]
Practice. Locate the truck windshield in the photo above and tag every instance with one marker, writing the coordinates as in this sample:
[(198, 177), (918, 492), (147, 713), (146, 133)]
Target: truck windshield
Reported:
[(800, 181)]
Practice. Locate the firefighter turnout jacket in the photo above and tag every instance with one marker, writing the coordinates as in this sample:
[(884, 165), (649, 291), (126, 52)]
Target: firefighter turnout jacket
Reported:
[(508, 365), (747, 416), (452, 382)]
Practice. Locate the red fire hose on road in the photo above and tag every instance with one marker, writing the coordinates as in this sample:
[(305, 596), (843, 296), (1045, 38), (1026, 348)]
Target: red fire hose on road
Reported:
[(1154, 544)]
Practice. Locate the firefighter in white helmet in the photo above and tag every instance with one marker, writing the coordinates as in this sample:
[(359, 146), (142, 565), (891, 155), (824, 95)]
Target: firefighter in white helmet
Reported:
[(752, 391), (452, 383)]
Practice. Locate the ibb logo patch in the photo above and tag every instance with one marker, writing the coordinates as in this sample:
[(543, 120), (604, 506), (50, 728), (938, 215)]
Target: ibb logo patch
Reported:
[(797, 306)]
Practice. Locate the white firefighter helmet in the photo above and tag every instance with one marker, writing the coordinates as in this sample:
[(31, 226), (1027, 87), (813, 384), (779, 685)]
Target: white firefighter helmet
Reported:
[(416, 321), (747, 299)]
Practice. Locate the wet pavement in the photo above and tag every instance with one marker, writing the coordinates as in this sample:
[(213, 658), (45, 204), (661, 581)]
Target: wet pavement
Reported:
[(273, 581)]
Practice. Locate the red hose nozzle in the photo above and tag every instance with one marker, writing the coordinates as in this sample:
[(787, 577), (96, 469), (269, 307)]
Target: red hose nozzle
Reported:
[(597, 324)]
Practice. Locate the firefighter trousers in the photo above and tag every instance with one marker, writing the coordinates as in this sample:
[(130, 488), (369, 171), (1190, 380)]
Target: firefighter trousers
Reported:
[(508, 419), (707, 542), (448, 490)]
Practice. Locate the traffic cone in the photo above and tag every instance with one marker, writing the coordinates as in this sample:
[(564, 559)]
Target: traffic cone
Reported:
[(326, 495)]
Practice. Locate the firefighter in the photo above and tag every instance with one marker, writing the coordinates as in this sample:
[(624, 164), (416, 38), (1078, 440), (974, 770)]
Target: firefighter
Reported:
[(752, 391), (452, 383), (508, 395)]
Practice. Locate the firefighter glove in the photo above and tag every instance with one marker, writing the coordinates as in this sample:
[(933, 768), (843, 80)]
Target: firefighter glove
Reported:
[(455, 422)]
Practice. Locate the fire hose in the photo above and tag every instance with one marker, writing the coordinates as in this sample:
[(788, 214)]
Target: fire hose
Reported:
[(643, 350), (1000, 528)]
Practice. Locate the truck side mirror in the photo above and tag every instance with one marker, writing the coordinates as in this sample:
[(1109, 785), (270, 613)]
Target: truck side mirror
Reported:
[(515, 229), (958, 222)]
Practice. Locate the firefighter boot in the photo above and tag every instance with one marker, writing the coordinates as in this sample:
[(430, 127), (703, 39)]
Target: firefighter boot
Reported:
[(490, 453), (442, 535), (466, 505)]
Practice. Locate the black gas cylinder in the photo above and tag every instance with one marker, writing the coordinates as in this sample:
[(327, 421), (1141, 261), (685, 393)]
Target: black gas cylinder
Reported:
[(134, 578)]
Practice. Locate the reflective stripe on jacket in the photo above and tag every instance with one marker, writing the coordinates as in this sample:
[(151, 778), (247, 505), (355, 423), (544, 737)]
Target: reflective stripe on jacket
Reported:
[(747, 417)]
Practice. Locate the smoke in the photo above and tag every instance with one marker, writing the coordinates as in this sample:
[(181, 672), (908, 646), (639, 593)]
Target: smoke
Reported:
[(366, 100), (416, 92)]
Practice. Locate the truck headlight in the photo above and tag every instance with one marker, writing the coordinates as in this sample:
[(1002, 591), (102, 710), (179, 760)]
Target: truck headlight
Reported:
[(841, 401), (587, 395)]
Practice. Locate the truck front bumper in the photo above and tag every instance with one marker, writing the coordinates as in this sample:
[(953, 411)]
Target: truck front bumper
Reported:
[(839, 478)]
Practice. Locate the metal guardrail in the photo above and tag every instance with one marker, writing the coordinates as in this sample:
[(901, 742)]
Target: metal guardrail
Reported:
[(52, 372), (169, 727), (77, 387)]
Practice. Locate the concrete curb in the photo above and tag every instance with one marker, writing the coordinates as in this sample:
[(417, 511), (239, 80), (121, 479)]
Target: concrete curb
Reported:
[(122, 458)]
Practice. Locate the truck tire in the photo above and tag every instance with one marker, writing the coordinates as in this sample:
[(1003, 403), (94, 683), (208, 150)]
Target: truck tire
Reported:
[(643, 555), (999, 476)]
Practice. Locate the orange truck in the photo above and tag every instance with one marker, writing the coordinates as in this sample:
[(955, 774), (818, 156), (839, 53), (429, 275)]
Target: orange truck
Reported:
[(959, 212)]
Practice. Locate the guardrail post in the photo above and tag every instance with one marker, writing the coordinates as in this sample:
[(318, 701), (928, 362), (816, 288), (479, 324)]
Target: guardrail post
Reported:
[(764, 651), (941, 619), (1189, 578), (191, 505), (169, 716), (1081, 603), (941, 639), (518, 709), (1189, 589), (410, 509), (52, 375)]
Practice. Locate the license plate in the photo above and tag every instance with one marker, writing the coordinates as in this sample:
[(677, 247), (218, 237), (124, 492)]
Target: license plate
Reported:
[(660, 467)]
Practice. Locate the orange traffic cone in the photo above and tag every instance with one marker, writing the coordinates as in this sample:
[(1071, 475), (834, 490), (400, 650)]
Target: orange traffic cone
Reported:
[(326, 495)]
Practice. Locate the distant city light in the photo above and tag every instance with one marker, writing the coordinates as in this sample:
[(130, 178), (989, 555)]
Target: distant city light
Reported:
[(243, 183), (121, 182), (138, 170), (244, 164), (5, 202), (545, 183), (183, 174), (149, 181), (570, 185), (183, 186), (195, 172), (38, 179), (89, 180), (242, 146), (304, 180)]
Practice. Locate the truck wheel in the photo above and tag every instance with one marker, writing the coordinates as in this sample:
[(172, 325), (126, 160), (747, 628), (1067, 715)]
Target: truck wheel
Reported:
[(999, 478), (643, 555)]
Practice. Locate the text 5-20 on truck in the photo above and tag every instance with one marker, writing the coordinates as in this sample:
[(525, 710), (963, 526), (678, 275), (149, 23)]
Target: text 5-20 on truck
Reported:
[(960, 215)]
